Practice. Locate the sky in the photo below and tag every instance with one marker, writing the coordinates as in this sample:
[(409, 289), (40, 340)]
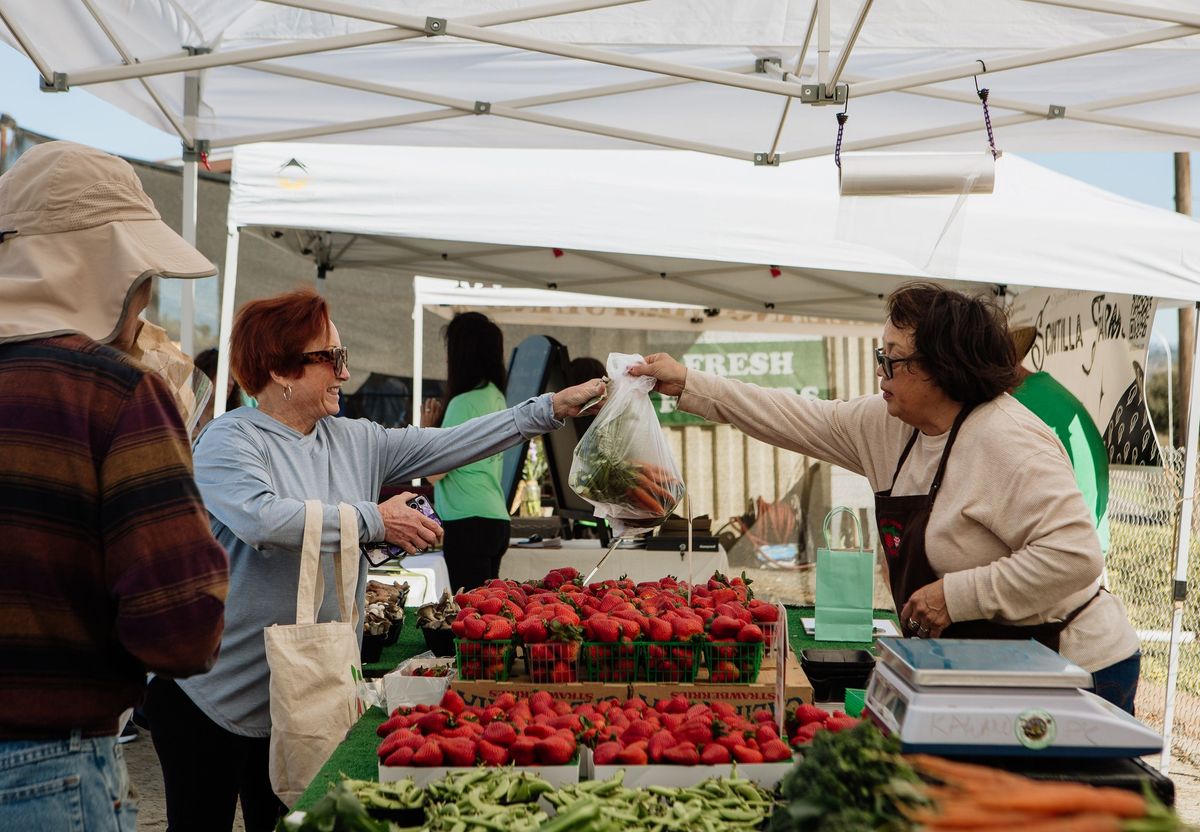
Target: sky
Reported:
[(80, 116)]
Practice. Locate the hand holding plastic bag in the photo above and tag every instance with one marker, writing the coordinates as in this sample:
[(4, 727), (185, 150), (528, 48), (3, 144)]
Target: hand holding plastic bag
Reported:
[(623, 465)]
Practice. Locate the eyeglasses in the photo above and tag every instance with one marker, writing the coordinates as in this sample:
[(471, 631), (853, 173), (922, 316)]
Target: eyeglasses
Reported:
[(889, 364), (339, 357), (377, 554)]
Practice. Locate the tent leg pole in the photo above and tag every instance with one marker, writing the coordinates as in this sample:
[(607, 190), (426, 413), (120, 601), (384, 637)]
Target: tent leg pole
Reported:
[(418, 375), (1184, 541), (822, 41), (187, 288), (228, 291)]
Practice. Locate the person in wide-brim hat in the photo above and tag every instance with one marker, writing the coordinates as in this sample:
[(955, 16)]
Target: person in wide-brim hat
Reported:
[(78, 236), (111, 569)]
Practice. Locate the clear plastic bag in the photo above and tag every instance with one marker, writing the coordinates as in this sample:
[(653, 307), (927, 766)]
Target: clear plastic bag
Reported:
[(622, 464)]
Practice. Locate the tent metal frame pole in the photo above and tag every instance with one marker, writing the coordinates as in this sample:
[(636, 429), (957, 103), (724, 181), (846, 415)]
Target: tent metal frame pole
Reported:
[(167, 66), (787, 102), (435, 115), (1126, 10), (191, 187), (418, 366), (184, 135), (228, 293), (26, 45), (844, 57), (822, 40), (1041, 56), (546, 47), (484, 108), (1183, 544)]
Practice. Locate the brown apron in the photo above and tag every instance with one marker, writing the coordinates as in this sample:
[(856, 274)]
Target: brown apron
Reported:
[(902, 522)]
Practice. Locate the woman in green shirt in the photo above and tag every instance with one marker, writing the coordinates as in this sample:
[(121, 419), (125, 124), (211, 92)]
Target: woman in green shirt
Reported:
[(469, 499)]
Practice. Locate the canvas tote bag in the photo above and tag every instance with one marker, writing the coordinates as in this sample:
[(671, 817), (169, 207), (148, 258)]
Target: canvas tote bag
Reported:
[(845, 584), (314, 666)]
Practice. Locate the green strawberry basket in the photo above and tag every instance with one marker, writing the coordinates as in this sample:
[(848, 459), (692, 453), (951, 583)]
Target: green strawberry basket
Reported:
[(732, 662), (489, 660), (552, 662), (608, 661), (668, 661)]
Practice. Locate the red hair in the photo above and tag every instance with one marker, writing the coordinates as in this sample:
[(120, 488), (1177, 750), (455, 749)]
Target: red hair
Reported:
[(269, 335)]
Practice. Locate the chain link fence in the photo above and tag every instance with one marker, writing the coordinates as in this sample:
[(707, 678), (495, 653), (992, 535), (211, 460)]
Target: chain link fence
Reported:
[(1143, 509)]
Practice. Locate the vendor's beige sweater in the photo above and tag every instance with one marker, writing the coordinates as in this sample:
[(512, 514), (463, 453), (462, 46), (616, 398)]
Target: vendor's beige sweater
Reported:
[(1009, 532)]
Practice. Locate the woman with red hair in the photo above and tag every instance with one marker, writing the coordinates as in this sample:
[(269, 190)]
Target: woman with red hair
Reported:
[(255, 469)]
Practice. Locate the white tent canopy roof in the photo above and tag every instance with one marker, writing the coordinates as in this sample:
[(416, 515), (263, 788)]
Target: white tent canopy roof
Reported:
[(696, 229), (607, 73)]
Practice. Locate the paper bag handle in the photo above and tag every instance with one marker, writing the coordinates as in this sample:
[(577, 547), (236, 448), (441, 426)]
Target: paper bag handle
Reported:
[(857, 525)]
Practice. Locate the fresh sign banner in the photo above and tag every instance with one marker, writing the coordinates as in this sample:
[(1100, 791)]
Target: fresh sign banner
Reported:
[(798, 366), (1095, 345)]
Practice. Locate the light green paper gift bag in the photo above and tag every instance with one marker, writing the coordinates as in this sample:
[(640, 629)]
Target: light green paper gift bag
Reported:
[(845, 584)]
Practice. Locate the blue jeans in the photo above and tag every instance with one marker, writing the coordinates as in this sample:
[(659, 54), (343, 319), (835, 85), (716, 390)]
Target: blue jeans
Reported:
[(1118, 682), (65, 786)]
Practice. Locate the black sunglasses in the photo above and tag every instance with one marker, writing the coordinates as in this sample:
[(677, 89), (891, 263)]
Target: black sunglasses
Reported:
[(889, 364), (377, 554), (339, 357)]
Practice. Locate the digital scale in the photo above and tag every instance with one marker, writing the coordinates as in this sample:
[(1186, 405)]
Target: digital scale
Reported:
[(968, 697)]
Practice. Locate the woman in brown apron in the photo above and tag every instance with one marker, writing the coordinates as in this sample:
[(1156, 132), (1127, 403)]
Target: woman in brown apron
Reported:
[(1009, 538)]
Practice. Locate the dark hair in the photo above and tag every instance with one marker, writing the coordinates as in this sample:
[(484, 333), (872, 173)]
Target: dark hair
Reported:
[(206, 362), (270, 334), (474, 355), (584, 369), (960, 340)]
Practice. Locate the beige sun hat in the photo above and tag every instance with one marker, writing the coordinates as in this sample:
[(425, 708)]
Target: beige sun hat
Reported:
[(77, 236)]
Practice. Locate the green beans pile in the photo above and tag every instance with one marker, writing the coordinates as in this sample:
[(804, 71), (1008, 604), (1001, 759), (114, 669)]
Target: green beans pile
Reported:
[(715, 805), (486, 800)]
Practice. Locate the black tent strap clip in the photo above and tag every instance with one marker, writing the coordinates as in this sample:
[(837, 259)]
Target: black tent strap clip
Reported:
[(842, 118)]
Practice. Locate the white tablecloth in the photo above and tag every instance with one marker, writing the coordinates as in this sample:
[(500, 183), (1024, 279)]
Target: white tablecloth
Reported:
[(426, 575), (522, 564)]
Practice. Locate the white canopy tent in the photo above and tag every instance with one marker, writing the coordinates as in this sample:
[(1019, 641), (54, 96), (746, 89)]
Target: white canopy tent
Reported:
[(714, 76)]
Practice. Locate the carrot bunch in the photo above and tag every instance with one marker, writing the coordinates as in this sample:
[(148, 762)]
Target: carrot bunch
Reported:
[(975, 797)]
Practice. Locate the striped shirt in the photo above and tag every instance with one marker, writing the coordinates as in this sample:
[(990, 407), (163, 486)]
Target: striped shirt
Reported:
[(107, 565)]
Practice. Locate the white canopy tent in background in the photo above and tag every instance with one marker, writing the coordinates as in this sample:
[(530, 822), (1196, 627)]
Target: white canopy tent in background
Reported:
[(686, 74)]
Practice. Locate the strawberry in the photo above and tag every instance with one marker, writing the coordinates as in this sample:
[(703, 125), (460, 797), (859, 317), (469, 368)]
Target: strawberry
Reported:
[(428, 755), (714, 755), (603, 629), (538, 731), (684, 754), (805, 733), (725, 671), (505, 701), (811, 713), (555, 751), (763, 612), (843, 723), (453, 702), (724, 628), (763, 715), (500, 733), (694, 731), (657, 629), (686, 628), (390, 725), (568, 572), (639, 729), (775, 751), (474, 627), (490, 606), (677, 704), (532, 631), (606, 753), (540, 700), (391, 743), (523, 751), (765, 733), (745, 754), (433, 722), (750, 634), (634, 755), (659, 742), (400, 757), (458, 751), (501, 629)]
